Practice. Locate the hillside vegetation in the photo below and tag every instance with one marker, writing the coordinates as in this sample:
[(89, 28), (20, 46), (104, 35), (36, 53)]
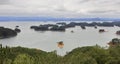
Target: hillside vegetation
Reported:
[(81, 55)]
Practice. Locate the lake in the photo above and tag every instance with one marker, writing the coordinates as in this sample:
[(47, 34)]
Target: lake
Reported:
[(47, 40)]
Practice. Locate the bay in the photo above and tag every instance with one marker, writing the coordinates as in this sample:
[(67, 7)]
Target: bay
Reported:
[(47, 40)]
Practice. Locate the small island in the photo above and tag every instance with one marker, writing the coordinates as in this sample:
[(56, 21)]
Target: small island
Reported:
[(7, 33)]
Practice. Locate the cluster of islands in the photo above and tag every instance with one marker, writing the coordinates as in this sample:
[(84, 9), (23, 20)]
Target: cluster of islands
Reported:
[(81, 55), (60, 26)]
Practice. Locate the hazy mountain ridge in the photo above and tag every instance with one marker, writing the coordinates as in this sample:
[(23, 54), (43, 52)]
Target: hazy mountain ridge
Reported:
[(7, 18)]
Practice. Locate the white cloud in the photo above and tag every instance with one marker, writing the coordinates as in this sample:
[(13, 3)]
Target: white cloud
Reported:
[(60, 8)]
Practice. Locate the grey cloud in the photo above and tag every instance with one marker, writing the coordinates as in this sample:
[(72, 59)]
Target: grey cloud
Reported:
[(117, 3), (59, 7), (3, 2), (103, 11), (84, 1)]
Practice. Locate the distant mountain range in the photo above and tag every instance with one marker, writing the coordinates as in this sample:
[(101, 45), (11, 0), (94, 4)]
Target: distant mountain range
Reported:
[(11, 18)]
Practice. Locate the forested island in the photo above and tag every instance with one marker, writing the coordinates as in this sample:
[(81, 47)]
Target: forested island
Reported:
[(7, 33), (62, 26), (81, 55)]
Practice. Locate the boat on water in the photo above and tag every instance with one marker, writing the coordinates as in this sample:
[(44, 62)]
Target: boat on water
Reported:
[(101, 30), (72, 31), (95, 27), (60, 44)]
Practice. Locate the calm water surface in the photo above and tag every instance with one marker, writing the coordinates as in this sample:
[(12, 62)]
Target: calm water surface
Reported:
[(47, 40)]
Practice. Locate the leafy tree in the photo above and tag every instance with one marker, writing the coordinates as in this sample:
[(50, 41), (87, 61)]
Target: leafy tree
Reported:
[(23, 59), (113, 60), (79, 58), (7, 61)]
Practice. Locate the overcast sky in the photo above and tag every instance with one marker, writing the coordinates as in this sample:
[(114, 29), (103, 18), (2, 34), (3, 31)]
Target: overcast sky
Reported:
[(61, 8)]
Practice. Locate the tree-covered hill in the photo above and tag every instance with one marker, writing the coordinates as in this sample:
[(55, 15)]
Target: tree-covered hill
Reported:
[(81, 55)]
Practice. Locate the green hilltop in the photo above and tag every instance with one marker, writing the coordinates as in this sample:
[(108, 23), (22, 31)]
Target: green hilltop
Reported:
[(80, 55)]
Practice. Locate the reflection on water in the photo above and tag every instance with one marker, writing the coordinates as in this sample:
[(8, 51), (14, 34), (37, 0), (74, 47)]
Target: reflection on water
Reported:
[(47, 40)]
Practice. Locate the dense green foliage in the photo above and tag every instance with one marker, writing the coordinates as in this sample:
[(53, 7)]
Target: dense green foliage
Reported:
[(81, 55)]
